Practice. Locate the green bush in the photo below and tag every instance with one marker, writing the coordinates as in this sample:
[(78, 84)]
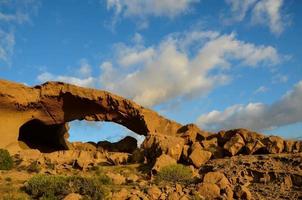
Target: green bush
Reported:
[(34, 167), (6, 161), (175, 173), (50, 165), (102, 178), (57, 187)]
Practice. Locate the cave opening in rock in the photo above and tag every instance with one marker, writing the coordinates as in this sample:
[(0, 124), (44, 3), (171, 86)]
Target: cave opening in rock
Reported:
[(35, 134)]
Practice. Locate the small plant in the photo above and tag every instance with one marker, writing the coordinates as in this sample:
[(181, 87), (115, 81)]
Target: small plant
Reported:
[(104, 179), (175, 173), (57, 187), (50, 165), (34, 167), (6, 161), (94, 168)]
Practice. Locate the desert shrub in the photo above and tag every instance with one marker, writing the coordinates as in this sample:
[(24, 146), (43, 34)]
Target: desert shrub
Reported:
[(50, 165), (102, 178), (34, 167), (6, 161), (57, 187), (175, 173), (94, 168)]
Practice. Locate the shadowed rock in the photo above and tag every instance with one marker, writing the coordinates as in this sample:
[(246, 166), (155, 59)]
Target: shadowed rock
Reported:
[(127, 145)]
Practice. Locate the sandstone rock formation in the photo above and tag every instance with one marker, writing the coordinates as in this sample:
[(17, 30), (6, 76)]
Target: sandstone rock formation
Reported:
[(156, 145), (162, 161), (198, 156), (37, 117)]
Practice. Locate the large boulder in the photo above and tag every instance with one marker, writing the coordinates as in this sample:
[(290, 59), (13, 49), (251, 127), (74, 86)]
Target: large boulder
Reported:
[(250, 138), (221, 181), (234, 145), (118, 158), (298, 147), (248, 135), (126, 145), (274, 144), (211, 145), (156, 145), (253, 147), (191, 133), (154, 192), (217, 178), (208, 190), (162, 161), (83, 146), (289, 146), (73, 196), (198, 156)]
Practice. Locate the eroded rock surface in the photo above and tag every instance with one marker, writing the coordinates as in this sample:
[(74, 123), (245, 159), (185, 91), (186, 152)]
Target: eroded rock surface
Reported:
[(37, 117)]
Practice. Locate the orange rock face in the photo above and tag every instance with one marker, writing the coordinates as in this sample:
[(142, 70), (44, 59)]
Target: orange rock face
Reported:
[(37, 117)]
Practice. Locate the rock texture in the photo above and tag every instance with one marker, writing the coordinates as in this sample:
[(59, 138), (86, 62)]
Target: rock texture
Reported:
[(37, 117), (127, 145)]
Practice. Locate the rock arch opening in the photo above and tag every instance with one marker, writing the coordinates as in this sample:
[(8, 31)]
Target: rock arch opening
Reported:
[(35, 134), (90, 131)]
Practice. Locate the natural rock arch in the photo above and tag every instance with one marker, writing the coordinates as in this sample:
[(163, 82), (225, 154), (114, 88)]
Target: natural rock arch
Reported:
[(53, 104)]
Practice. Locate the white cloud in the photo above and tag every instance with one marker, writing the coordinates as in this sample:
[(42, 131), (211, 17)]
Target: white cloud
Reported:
[(143, 9), (17, 17), (171, 70), (265, 12), (160, 73), (85, 68), (261, 89), (84, 82), (132, 56), (138, 38), (83, 77), (239, 9), (7, 43), (257, 116), (269, 12), (169, 8), (17, 12), (279, 78)]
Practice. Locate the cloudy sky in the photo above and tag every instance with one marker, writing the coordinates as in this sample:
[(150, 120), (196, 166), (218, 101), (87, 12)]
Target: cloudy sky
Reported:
[(219, 64)]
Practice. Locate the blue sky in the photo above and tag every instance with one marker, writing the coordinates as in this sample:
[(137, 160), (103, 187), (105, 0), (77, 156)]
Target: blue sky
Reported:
[(219, 64)]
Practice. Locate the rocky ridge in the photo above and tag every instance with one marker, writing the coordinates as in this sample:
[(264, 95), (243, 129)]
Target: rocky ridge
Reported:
[(229, 164)]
